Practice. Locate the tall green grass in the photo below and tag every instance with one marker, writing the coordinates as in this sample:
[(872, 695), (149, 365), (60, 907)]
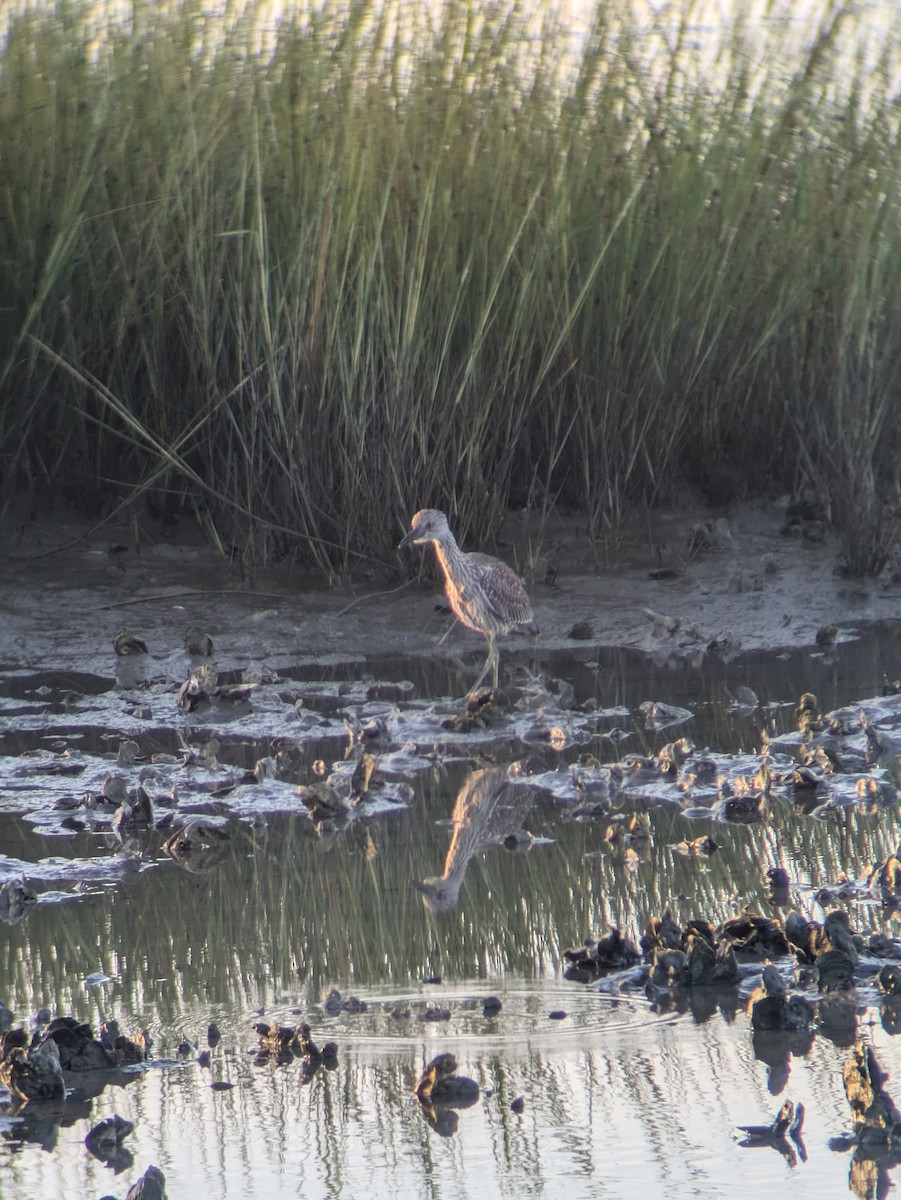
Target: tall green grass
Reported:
[(302, 279)]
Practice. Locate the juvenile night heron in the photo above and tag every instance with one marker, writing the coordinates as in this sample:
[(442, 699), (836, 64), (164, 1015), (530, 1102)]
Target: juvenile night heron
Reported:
[(489, 808), (482, 591)]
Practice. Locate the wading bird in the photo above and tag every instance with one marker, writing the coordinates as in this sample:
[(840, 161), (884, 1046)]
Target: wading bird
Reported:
[(483, 592), (489, 808)]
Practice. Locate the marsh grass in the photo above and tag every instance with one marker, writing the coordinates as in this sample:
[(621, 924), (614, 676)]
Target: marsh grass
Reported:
[(299, 280)]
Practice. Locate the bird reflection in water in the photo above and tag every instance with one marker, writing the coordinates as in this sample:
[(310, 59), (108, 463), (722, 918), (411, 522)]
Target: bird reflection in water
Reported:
[(489, 810)]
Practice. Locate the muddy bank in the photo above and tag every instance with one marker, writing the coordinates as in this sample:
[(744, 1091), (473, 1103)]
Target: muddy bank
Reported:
[(66, 592)]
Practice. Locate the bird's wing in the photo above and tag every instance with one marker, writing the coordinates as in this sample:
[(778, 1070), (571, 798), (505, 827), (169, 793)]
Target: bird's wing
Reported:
[(503, 590)]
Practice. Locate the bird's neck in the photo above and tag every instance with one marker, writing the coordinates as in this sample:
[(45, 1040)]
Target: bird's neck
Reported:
[(449, 554)]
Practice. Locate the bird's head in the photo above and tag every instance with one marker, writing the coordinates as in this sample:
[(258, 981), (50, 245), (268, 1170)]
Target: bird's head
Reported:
[(439, 894), (428, 525)]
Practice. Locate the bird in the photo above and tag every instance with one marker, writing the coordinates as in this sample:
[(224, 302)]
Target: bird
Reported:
[(483, 592), (488, 808)]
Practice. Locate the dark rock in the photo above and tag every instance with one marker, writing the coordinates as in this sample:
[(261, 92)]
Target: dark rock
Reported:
[(436, 1014), (13, 1038), (33, 1074), (107, 1136), (804, 937), (333, 1003), (889, 980), (441, 1086), (835, 972), (276, 1040), (127, 644), (872, 1108), (780, 885), (707, 965), (136, 1049), (78, 1049), (610, 953), (837, 1017), (151, 1186), (199, 645), (109, 1031), (329, 1055), (670, 970), (778, 1128), (16, 900), (582, 631), (662, 933), (754, 937)]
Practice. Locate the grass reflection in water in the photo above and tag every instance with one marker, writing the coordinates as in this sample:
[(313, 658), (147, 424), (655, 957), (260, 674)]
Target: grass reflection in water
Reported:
[(287, 914)]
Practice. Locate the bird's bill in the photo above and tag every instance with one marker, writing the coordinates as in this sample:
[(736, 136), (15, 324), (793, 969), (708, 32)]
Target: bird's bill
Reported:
[(408, 538)]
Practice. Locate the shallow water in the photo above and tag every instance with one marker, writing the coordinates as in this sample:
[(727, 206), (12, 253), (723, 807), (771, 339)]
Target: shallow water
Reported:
[(617, 1096)]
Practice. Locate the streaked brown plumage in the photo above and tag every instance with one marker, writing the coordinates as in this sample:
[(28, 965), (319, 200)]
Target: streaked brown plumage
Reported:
[(488, 808), (484, 593)]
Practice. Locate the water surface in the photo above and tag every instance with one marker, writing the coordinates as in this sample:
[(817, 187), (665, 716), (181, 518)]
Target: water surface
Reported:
[(619, 1094)]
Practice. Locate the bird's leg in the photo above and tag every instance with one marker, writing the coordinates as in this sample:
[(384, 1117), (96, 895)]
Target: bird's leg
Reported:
[(491, 664), (488, 664), (482, 674)]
